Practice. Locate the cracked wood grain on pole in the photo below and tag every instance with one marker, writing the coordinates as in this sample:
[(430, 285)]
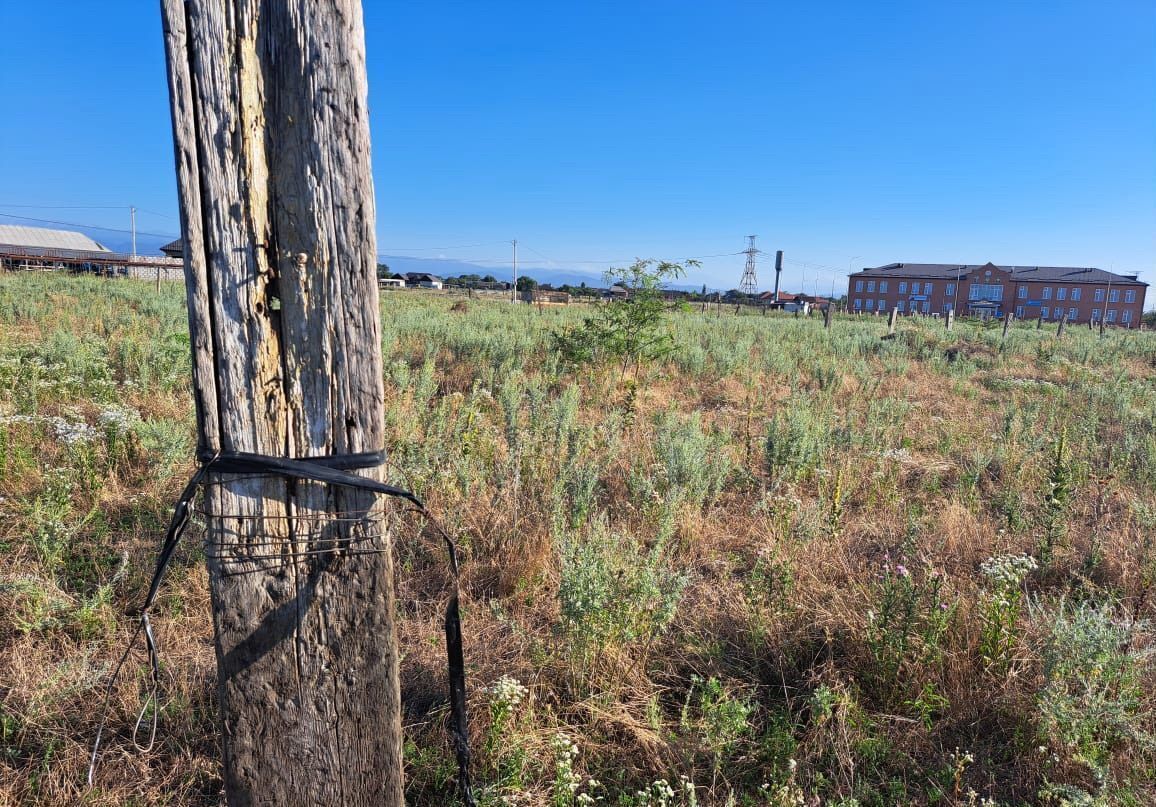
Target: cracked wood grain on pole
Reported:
[(272, 151)]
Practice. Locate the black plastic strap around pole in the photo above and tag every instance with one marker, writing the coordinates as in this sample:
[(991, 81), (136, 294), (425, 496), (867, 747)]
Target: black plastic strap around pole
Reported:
[(332, 470)]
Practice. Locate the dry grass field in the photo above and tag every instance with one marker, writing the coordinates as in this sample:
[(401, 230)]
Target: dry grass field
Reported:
[(779, 566)]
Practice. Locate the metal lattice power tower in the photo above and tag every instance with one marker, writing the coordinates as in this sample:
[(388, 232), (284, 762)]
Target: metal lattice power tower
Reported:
[(750, 281)]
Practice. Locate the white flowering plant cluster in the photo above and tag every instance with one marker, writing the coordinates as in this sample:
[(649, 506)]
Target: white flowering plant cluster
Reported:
[(1001, 605), (69, 432), (567, 781), (116, 422), (661, 793), (505, 695), (1008, 571)]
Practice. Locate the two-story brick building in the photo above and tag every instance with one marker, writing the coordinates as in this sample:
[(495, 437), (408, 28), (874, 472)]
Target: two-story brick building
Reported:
[(1084, 294)]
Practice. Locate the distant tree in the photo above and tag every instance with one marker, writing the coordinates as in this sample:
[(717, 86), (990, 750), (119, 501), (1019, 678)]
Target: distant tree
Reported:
[(489, 279), (1149, 319), (526, 283), (383, 270), (628, 329)]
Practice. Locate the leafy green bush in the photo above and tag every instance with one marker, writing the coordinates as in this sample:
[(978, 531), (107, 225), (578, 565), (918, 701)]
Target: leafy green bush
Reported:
[(797, 440), (629, 328), (614, 590), (1093, 697)]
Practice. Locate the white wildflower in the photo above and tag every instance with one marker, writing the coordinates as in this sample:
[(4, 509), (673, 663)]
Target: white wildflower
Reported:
[(1008, 571)]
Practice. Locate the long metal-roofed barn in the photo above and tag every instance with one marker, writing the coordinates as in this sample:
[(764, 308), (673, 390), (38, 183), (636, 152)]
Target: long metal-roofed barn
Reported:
[(45, 249), (48, 239), (1079, 293)]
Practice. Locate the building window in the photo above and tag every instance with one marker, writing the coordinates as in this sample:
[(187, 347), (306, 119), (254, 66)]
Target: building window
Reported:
[(1099, 296), (1114, 296), (870, 304), (858, 304), (1073, 314), (858, 285), (926, 306), (899, 306), (882, 286), (1130, 296), (1022, 292), (870, 285), (950, 291), (1095, 315), (1111, 315), (1125, 316), (948, 307), (1047, 295), (927, 288), (1019, 311), (992, 292), (1044, 312), (1075, 295), (1061, 293), (903, 287)]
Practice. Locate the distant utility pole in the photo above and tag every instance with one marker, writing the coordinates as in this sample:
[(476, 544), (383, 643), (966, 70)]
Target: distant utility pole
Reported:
[(514, 293), (132, 217), (750, 282)]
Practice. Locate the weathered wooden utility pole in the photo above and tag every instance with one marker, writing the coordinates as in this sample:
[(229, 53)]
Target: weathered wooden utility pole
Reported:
[(272, 150), (1008, 319), (892, 318), (950, 318)]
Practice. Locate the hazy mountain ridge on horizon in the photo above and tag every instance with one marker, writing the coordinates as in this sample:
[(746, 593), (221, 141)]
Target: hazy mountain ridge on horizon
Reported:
[(448, 267)]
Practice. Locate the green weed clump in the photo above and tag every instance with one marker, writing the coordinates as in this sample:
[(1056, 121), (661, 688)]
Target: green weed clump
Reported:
[(1093, 701)]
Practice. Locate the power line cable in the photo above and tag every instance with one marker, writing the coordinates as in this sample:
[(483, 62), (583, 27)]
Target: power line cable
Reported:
[(85, 226), (70, 207), (434, 249), (812, 265), (89, 207), (384, 255)]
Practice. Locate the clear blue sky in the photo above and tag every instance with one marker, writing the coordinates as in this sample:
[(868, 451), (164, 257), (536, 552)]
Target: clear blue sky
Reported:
[(1018, 132)]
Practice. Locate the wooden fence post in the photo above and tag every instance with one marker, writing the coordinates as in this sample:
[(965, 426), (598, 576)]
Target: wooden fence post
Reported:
[(1008, 319), (892, 318), (950, 319), (277, 210), (827, 316), (1062, 325), (1040, 322)]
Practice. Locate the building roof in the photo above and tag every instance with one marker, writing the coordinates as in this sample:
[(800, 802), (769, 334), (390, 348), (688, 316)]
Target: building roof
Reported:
[(42, 237), (418, 276), (175, 248), (1050, 274)]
